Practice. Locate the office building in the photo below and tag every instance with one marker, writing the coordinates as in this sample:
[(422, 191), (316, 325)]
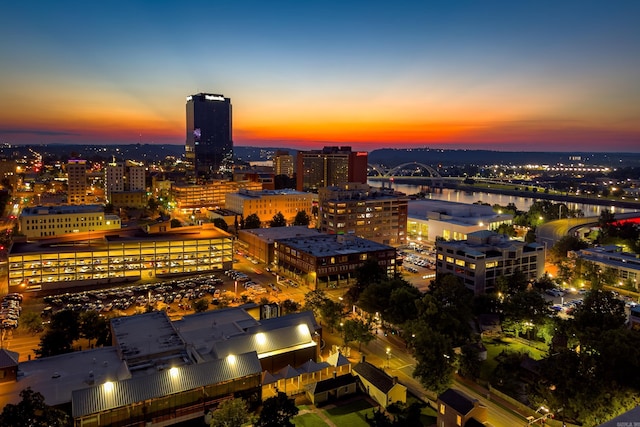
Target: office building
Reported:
[(484, 256), (124, 176), (209, 195), (429, 220), (360, 210), (117, 256), (283, 163), (261, 241), (209, 144), (625, 265), (52, 221), (77, 182), (329, 261), (330, 166), (267, 203)]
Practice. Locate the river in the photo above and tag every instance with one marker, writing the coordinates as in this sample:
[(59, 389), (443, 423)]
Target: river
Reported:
[(522, 203)]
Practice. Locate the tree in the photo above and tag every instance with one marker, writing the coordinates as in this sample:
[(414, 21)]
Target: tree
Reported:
[(230, 413), (359, 331), (290, 306), (278, 220), (331, 312), (314, 300), (600, 313), (277, 411), (32, 411), (94, 327), (435, 358), (200, 305), (221, 224), (470, 361), (52, 343), (32, 321), (252, 221), (302, 218), (523, 310), (559, 251)]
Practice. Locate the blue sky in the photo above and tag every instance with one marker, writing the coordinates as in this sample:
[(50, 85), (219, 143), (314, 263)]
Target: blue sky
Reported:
[(553, 75)]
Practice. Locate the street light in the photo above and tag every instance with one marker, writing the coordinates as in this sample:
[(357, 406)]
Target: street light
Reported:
[(388, 356)]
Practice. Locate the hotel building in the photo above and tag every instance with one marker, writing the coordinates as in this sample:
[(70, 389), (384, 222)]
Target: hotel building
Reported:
[(330, 166)]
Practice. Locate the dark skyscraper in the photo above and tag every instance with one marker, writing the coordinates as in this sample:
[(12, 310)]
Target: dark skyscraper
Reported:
[(209, 144)]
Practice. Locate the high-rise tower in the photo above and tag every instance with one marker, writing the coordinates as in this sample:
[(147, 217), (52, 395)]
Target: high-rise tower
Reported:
[(209, 144)]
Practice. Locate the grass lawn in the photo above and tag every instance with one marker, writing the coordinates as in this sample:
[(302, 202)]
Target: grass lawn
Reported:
[(351, 414), (495, 347), (309, 420)]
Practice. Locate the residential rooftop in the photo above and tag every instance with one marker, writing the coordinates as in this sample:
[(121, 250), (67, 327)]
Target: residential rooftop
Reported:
[(61, 210)]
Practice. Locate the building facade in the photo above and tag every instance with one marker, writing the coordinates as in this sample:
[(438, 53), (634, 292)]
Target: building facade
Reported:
[(359, 210), (209, 144), (117, 257), (625, 265), (485, 256), (283, 163), (330, 166), (329, 261), (210, 195), (261, 241), (429, 220), (121, 177), (267, 203), (77, 182), (51, 221)]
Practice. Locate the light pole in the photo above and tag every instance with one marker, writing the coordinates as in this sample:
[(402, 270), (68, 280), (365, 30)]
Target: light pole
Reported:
[(388, 357)]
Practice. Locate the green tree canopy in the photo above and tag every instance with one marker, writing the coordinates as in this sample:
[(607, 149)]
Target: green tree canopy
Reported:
[(230, 413), (278, 220), (302, 218), (32, 411), (277, 411), (252, 221), (221, 224), (200, 305)]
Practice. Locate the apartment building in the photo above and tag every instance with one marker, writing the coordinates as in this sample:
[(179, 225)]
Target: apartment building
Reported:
[(267, 203), (363, 211)]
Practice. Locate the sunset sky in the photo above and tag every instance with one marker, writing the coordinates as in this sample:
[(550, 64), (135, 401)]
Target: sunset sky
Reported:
[(507, 75)]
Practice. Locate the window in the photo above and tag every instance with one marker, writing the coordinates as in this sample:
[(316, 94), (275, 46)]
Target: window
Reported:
[(458, 420), (442, 408)]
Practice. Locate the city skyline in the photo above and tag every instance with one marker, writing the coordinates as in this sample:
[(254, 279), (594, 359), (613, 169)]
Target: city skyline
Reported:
[(544, 76)]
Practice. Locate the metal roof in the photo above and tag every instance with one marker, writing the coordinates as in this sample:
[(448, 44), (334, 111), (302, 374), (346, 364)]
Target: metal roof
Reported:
[(117, 394), (266, 343), (377, 377)]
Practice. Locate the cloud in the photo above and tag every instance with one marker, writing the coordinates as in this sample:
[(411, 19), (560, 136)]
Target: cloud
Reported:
[(41, 132)]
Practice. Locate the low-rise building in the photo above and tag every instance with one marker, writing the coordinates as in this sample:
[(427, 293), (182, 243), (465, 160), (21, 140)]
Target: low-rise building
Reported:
[(361, 210), (456, 409), (429, 220), (159, 372), (129, 199), (382, 387), (267, 203), (52, 221), (118, 256), (211, 194), (484, 256), (261, 241), (625, 265), (330, 261)]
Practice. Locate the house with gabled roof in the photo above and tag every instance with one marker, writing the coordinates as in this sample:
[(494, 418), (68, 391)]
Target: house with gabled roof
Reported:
[(8, 365), (456, 409), (332, 389), (382, 387)]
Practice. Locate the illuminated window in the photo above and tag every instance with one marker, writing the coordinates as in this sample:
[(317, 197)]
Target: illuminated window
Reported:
[(460, 262), (442, 409), (458, 420)]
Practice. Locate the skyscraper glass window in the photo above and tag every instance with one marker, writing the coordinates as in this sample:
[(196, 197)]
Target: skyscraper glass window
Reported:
[(209, 143)]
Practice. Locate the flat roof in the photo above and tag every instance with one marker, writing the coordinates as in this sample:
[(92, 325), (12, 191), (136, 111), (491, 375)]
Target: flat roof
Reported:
[(420, 208), (333, 244), (61, 210), (271, 234), (256, 194), (55, 377), (100, 240), (146, 335)]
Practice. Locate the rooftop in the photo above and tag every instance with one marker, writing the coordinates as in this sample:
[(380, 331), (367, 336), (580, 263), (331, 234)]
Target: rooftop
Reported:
[(457, 400), (254, 194), (77, 242), (271, 234), (377, 377), (420, 209), (61, 210), (333, 244)]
